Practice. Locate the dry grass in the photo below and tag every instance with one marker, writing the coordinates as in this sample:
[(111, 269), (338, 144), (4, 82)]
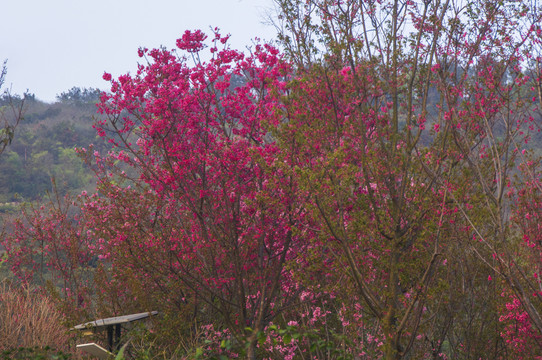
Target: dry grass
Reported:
[(29, 319)]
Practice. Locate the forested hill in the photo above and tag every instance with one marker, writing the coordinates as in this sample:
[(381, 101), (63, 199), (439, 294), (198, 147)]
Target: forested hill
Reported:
[(44, 147)]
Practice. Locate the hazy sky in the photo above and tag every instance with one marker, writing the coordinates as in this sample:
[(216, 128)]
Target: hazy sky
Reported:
[(53, 45)]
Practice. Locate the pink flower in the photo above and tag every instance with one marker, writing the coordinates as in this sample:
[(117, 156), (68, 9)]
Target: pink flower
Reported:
[(192, 41), (141, 52), (345, 70)]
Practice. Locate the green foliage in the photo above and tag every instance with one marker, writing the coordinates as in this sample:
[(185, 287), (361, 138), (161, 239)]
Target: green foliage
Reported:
[(44, 148), (34, 353), (80, 96), (120, 355), (8, 208)]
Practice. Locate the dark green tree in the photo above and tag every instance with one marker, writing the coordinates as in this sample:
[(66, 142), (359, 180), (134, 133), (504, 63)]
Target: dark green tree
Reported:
[(80, 96)]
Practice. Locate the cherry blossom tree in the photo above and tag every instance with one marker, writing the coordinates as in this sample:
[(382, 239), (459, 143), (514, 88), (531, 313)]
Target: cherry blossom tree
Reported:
[(417, 111), (213, 218)]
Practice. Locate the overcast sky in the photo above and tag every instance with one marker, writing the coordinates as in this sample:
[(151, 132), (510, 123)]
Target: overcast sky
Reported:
[(53, 45)]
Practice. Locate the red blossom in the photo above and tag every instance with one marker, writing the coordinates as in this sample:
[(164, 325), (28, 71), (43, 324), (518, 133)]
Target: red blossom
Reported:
[(192, 41)]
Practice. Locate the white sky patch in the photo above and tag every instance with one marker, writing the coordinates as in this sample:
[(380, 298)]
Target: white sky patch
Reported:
[(54, 45)]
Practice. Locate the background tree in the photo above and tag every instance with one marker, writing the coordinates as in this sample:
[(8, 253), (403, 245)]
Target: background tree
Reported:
[(80, 96), (10, 113), (388, 164)]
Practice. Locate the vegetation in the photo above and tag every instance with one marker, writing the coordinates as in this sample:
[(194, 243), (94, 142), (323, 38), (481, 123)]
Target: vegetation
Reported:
[(367, 189), (8, 122), (44, 148), (29, 320)]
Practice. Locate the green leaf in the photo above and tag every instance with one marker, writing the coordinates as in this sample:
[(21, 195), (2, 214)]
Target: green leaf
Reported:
[(261, 337), (120, 355), (287, 339)]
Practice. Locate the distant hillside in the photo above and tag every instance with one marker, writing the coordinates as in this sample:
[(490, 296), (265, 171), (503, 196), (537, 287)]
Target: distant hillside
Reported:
[(44, 147)]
